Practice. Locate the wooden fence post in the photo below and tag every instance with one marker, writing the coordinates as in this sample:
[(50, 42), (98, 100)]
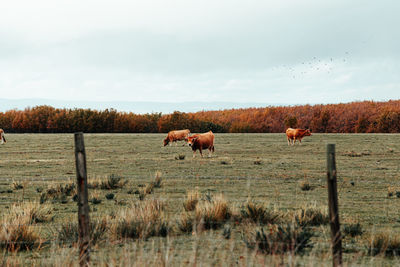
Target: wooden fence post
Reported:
[(336, 237), (83, 206)]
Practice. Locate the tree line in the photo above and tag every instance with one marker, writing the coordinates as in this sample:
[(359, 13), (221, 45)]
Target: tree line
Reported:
[(355, 117)]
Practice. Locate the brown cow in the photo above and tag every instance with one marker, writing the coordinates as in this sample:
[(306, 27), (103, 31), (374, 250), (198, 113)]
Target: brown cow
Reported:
[(296, 134), (200, 142), (2, 138), (176, 135)]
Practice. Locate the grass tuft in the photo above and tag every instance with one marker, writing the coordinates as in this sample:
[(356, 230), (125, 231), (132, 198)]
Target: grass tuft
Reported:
[(352, 229), (311, 215), (259, 213), (186, 223), (59, 193), (17, 185), (191, 200), (305, 185), (113, 182), (68, 233), (279, 239), (384, 243), (141, 221), (213, 214)]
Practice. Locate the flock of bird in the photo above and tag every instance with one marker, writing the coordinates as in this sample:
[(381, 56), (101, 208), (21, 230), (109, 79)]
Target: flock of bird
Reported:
[(312, 66)]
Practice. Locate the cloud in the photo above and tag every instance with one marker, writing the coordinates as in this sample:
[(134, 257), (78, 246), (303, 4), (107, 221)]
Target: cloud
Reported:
[(270, 51)]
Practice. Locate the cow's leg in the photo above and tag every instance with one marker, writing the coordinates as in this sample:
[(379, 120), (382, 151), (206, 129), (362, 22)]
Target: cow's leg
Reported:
[(294, 140), (300, 140), (288, 141), (194, 153), (201, 152), (210, 151)]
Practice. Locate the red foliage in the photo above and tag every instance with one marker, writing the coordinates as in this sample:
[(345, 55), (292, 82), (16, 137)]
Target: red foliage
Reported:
[(355, 117)]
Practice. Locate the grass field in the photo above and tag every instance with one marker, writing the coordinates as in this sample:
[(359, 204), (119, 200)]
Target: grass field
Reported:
[(257, 167)]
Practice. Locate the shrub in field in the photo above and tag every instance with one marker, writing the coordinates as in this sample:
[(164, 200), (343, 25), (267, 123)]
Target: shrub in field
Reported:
[(191, 200), (257, 161), (148, 188), (391, 190), (180, 157), (305, 185), (279, 239), (94, 183), (110, 196), (31, 212), (14, 237), (384, 243), (186, 223), (68, 233), (212, 214), (352, 229), (17, 232), (311, 215), (141, 220), (95, 198), (58, 193), (259, 213), (113, 182), (17, 185), (158, 180)]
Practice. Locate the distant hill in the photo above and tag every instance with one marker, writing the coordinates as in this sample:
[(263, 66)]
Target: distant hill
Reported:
[(126, 106)]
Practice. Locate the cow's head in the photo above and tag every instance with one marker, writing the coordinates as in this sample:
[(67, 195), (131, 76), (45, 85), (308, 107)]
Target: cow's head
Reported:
[(308, 133), (190, 140), (166, 141)]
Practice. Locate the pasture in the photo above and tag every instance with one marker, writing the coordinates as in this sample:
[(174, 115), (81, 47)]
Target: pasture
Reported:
[(245, 167)]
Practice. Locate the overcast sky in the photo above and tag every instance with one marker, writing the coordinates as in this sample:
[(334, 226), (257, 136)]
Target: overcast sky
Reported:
[(290, 52)]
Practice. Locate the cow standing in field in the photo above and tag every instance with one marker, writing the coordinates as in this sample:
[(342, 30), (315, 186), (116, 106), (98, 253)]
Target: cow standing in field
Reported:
[(176, 135), (296, 134), (200, 142), (2, 138)]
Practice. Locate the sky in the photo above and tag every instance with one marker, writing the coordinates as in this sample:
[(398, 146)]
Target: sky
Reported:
[(177, 51)]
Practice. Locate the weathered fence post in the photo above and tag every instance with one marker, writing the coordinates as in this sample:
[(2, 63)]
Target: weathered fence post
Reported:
[(83, 206), (336, 237)]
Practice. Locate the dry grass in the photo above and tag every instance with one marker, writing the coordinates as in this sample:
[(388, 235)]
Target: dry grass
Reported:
[(17, 185), (68, 233), (113, 182), (141, 221), (186, 223), (95, 197), (279, 239), (259, 213), (305, 185), (212, 214), (191, 200), (134, 157), (17, 231), (384, 243), (58, 193), (157, 179), (311, 215), (30, 212)]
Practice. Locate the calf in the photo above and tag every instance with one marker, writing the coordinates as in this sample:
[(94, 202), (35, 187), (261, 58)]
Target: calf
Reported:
[(296, 134), (2, 138), (200, 142), (176, 135)]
